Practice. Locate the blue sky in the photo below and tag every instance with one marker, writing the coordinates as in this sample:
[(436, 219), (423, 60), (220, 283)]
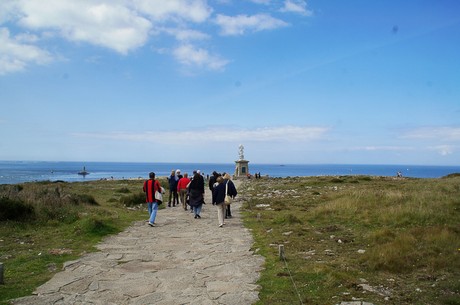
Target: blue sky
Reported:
[(371, 82)]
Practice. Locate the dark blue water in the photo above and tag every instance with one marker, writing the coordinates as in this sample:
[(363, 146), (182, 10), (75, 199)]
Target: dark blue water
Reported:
[(20, 171)]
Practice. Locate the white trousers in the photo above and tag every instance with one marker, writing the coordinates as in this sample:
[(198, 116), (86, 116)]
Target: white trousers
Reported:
[(221, 207)]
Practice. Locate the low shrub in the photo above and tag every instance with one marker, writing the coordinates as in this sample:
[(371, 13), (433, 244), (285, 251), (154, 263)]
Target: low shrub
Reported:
[(133, 200), (123, 190), (13, 209), (97, 227), (85, 199)]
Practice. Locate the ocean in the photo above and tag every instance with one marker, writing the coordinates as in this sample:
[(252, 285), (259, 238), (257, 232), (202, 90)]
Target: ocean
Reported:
[(12, 172)]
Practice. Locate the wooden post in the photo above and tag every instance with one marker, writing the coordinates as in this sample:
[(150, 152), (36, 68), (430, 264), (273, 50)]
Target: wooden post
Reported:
[(1, 274), (281, 251)]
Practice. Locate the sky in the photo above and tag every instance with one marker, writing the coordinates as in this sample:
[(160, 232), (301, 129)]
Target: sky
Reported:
[(293, 81)]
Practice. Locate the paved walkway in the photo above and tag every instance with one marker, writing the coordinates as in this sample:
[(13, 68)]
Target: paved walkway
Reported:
[(180, 261)]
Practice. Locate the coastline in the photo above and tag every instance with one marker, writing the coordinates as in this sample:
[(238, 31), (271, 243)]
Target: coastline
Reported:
[(12, 172)]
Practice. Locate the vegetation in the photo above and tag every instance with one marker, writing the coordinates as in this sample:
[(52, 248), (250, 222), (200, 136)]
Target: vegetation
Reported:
[(45, 224), (377, 239)]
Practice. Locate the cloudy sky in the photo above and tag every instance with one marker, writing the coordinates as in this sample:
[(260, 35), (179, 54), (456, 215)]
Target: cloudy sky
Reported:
[(294, 81)]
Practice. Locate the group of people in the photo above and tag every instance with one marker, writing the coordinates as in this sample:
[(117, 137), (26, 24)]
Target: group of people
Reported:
[(190, 192), (220, 186)]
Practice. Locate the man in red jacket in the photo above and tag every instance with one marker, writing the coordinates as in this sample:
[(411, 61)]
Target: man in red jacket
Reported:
[(182, 190), (150, 187)]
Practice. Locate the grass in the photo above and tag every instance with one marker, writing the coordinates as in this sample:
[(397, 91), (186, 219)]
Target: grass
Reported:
[(376, 239), (50, 223)]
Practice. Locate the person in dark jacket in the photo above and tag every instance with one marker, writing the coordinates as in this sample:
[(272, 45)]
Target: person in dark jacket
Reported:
[(218, 198), (196, 194), (213, 180), (231, 191), (173, 179)]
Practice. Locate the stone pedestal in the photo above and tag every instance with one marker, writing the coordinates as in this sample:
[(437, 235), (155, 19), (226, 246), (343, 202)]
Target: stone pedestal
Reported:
[(241, 168)]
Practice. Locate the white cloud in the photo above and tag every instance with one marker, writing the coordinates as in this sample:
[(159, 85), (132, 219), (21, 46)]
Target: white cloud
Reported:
[(296, 6), (439, 133), (190, 55), (266, 2), (161, 10), (186, 34), (240, 24), (295, 134), (110, 25), (16, 54), (443, 150), (124, 26), (383, 148)]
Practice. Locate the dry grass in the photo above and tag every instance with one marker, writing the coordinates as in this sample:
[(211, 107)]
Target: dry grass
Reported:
[(374, 239)]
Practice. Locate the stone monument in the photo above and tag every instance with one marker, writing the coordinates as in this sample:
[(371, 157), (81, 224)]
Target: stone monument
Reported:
[(242, 165)]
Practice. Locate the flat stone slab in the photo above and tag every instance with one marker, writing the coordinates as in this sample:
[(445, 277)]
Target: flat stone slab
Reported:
[(182, 260)]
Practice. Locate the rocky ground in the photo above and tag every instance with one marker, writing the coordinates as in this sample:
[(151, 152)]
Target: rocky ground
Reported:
[(182, 260)]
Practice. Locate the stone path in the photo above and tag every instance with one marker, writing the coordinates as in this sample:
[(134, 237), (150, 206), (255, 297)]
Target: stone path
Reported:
[(180, 261)]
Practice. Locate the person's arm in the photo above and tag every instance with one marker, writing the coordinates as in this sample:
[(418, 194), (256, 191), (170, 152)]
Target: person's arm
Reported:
[(233, 191)]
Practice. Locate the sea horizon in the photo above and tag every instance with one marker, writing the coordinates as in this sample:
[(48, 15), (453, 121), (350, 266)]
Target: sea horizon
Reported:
[(12, 172)]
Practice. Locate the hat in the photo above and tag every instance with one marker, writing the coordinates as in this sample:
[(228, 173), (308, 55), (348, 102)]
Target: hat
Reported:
[(177, 170), (198, 172)]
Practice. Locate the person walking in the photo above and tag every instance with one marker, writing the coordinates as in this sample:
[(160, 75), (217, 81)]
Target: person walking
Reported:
[(196, 194), (218, 198), (150, 187), (231, 192), (173, 179), (212, 180), (182, 190)]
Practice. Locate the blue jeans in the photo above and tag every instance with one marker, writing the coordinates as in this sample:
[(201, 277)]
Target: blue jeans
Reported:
[(153, 208), (197, 209)]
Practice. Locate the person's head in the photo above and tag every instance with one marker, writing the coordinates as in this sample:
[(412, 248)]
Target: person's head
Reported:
[(219, 179), (152, 175), (185, 175), (177, 172), (227, 176), (172, 172)]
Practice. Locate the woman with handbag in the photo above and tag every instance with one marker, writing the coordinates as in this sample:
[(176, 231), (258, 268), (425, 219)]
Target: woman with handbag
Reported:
[(231, 191), (153, 191)]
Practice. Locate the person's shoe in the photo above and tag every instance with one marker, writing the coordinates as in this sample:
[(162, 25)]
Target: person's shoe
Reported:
[(151, 224), (198, 216)]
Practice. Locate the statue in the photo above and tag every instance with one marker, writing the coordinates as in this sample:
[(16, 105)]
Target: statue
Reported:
[(241, 151), (242, 166)]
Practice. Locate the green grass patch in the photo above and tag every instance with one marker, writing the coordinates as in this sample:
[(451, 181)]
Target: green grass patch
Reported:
[(76, 215), (376, 239)]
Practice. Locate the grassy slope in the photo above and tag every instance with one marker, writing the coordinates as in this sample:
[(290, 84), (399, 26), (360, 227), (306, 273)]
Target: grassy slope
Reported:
[(381, 240), (33, 251)]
